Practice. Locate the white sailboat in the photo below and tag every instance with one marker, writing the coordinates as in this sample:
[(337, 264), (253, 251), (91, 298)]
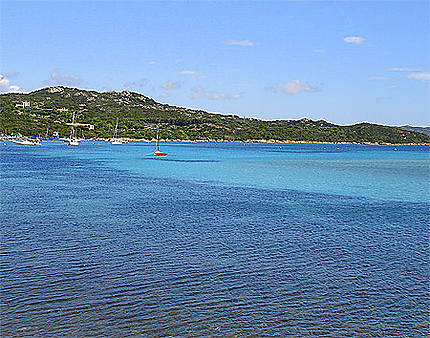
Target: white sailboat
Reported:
[(114, 139), (27, 142), (73, 141)]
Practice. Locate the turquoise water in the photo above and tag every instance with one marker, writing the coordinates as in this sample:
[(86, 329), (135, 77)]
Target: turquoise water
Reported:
[(215, 239)]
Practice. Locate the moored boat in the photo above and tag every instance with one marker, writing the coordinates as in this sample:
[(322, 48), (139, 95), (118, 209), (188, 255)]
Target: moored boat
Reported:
[(25, 142), (114, 139), (157, 151), (73, 141)]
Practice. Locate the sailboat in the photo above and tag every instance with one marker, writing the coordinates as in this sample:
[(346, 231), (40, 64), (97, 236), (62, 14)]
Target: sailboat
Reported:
[(27, 142), (157, 151), (73, 141), (115, 140)]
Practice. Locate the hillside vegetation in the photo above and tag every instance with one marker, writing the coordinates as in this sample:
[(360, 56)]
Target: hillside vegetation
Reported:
[(51, 108), (423, 130)]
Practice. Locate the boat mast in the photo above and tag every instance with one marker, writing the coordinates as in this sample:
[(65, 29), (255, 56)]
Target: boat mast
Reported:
[(116, 128), (72, 131), (157, 142)]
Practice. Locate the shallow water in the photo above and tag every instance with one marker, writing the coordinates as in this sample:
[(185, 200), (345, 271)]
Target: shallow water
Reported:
[(215, 240)]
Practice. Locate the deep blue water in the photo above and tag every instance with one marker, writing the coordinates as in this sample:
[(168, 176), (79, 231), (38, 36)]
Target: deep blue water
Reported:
[(215, 240)]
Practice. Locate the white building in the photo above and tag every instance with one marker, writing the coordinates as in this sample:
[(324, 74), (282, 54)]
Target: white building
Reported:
[(23, 104)]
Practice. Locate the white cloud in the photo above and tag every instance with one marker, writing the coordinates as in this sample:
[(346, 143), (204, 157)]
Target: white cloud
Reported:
[(57, 78), (244, 43), (293, 87), (189, 72), (381, 99), (200, 92), (170, 85), (152, 62), (319, 50), (164, 95), (420, 76), (243, 84), (354, 39), (401, 69), (6, 87), (139, 83), (377, 78), (392, 86), (11, 74)]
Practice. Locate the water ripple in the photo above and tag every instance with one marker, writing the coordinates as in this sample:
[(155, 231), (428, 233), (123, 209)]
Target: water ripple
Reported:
[(91, 253)]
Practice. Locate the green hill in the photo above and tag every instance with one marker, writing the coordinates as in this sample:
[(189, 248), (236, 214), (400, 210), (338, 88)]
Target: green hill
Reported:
[(51, 108), (423, 130)]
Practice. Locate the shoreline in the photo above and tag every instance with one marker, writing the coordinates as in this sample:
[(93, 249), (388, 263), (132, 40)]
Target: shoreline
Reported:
[(10, 138)]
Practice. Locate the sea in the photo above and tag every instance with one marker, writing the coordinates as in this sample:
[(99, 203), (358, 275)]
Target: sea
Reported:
[(214, 240)]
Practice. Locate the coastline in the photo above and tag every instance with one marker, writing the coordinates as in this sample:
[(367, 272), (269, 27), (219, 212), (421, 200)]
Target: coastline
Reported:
[(125, 139)]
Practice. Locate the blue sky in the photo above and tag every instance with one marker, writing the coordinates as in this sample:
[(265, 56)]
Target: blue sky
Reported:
[(342, 61)]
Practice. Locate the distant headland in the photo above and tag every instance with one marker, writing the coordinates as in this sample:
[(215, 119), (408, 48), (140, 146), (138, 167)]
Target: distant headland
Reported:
[(49, 110)]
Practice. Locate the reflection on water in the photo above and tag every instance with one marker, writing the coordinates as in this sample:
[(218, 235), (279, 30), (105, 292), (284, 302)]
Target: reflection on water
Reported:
[(180, 160)]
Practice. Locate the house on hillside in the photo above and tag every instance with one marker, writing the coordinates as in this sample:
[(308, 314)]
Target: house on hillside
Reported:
[(22, 104), (84, 125)]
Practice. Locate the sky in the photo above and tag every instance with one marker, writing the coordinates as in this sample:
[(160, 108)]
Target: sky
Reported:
[(341, 61)]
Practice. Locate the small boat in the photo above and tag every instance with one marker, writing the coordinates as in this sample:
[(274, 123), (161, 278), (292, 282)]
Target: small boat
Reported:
[(157, 151), (73, 141), (114, 139), (25, 142)]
